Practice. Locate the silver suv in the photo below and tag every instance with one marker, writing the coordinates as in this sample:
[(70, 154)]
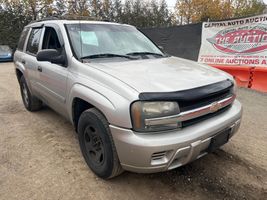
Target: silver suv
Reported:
[(134, 107)]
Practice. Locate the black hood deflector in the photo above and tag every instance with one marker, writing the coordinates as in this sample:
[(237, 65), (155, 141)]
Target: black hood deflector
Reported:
[(194, 94)]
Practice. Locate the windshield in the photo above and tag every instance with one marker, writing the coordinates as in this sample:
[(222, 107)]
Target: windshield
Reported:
[(88, 40), (5, 49)]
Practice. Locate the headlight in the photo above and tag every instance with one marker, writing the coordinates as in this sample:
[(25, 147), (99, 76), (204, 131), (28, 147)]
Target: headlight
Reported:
[(235, 87), (142, 111)]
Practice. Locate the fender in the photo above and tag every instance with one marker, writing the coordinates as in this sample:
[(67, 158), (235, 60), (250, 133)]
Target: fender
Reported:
[(17, 63), (115, 107), (19, 66)]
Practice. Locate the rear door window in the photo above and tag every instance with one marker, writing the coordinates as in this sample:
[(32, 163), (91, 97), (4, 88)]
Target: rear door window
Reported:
[(22, 39), (34, 40)]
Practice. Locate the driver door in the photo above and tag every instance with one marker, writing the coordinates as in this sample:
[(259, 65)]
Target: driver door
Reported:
[(52, 78)]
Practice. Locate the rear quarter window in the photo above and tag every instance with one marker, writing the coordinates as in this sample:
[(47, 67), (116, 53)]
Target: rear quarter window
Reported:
[(34, 40), (22, 39)]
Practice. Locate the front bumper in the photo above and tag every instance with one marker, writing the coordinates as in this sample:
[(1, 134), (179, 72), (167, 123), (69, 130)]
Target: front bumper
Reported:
[(148, 153)]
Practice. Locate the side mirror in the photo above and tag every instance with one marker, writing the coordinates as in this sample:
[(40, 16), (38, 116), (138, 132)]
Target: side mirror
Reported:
[(51, 55)]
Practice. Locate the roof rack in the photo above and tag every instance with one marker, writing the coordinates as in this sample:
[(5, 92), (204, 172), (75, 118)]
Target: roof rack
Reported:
[(70, 17), (47, 18), (79, 17)]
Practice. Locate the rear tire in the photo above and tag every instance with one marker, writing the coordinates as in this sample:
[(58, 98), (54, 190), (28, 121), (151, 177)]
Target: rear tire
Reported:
[(30, 102), (97, 145)]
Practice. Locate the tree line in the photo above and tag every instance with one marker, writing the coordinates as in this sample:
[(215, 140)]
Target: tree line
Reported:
[(193, 11), (15, 14)]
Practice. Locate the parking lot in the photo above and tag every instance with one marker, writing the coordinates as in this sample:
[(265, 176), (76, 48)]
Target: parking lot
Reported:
[(40, 158)]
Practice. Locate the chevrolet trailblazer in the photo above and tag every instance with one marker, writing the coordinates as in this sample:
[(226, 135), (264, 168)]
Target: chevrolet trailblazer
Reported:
[(134, 107)]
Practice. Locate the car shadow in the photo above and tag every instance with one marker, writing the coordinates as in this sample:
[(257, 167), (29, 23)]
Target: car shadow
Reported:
[(207, 176), (219, 175)]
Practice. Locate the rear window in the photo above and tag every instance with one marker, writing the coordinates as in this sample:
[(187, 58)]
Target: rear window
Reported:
[(33, 41), (22, 39)]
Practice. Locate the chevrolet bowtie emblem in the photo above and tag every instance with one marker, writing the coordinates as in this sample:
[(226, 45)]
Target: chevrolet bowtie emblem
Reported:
[(215, 107)]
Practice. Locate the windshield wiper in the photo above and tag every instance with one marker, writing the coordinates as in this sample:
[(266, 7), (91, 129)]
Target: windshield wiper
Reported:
[(106, 55), (145, 53)]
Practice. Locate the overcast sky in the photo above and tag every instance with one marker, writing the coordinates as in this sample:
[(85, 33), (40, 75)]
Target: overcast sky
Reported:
[(171, 3)]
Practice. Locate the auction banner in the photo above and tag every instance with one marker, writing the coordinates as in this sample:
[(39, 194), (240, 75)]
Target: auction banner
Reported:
[(241, 42)]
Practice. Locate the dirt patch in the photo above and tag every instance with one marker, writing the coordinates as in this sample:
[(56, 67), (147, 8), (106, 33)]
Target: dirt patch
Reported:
[(40, 159)]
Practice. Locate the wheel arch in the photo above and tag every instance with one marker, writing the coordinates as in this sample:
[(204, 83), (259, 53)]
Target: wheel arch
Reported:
[(114, 107), (83, 98), (19, 74), (19, 69), (78, 107)]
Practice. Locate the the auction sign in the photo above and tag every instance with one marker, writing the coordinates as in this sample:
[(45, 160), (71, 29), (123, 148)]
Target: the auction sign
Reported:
[(241, 42)]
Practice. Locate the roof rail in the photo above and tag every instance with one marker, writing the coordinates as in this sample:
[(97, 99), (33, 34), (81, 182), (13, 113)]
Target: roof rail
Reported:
[(47, 18), (79, 17), (70, 17)]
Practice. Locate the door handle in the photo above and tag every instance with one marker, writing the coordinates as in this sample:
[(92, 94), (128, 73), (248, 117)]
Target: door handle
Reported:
[(23, 62), (39, 69)]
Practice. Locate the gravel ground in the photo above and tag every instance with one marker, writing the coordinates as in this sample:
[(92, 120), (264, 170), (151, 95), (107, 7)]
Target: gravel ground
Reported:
[(40, 158)]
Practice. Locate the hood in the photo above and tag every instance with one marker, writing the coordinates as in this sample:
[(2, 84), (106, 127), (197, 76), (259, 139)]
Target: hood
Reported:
[(162, 75)]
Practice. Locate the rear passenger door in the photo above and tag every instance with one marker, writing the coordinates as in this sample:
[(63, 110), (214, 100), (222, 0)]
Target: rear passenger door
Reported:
[(52, 78)]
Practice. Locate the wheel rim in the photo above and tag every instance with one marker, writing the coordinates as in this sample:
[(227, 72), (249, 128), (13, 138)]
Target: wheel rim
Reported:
[(25, 94), (94, 145)]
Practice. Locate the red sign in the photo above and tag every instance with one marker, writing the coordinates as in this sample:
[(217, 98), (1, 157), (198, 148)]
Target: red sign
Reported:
[(241, 40)]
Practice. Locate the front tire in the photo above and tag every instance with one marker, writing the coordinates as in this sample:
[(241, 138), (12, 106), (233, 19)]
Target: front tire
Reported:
[(97, 145), (30, 102)]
